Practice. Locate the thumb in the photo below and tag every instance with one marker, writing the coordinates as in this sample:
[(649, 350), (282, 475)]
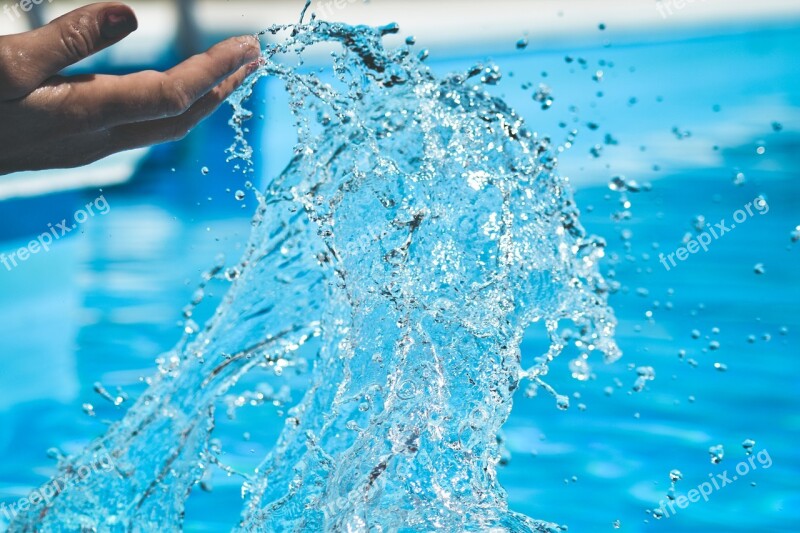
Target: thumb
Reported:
[(44, 52)]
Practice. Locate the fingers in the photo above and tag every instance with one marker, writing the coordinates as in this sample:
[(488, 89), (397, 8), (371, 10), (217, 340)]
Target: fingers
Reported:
[(100, 102), (155, 95), (30, 58), (82, 149), (175, 128)]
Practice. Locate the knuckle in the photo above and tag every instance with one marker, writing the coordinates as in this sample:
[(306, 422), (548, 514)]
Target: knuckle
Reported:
[(175, 97), (77, 36)]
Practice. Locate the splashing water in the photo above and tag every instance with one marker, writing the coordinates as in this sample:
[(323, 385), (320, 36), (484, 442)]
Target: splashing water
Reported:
[(418, 231)]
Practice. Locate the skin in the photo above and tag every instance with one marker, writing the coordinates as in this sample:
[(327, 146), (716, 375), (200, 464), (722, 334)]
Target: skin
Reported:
[(52, 121)]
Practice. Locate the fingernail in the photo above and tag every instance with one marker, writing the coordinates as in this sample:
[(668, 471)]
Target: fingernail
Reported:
[(253, 47), (116, 22), (252, 67)]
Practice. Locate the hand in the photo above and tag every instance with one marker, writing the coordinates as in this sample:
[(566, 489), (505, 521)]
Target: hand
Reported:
[(53, 121)]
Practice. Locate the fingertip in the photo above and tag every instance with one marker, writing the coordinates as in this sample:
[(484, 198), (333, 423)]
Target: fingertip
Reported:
[(251, 47), (117, 21)]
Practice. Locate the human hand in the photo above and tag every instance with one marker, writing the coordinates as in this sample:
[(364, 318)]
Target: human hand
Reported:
[(53, 121)]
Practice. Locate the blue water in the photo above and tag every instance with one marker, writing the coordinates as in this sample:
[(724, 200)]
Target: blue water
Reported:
[(120, 287)]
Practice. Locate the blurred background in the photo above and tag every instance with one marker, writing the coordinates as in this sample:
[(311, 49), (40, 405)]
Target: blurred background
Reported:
[(695, 101)]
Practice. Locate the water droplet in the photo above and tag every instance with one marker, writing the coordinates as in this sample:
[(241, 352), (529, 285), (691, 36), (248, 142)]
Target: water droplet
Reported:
[(748, 445), (675, 475), (232, 273), (759, 268), (239, 195), (562, 402), (722, 367), (717, 452), (204, 171), (522, 44), (645, 374)]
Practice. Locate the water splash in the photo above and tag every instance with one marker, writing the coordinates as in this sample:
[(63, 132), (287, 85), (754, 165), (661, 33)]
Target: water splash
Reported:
[(419, 230)]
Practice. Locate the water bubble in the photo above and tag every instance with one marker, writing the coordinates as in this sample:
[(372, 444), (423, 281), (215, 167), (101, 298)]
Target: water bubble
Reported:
[(562, 402), (204, 171), (722, 367), (717, 452), (748, 445), (713, 345), (644, 374), (620, 183), (695, 333), (239, 195), (675, 475), (232, 273), (544, 96), (522, 44), (680, 135), (759, 268), (491, 75), (777, 126), (88, 409)]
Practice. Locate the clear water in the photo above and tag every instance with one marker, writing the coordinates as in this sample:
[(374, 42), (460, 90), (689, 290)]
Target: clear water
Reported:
[(605, 447), (419, 231)]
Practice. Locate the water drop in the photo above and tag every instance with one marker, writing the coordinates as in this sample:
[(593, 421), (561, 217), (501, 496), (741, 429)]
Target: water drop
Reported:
[(717, 452), (562, 402), (748, 445)]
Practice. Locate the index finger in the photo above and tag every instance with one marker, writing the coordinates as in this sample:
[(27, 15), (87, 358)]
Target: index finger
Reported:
[(107, 101)]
